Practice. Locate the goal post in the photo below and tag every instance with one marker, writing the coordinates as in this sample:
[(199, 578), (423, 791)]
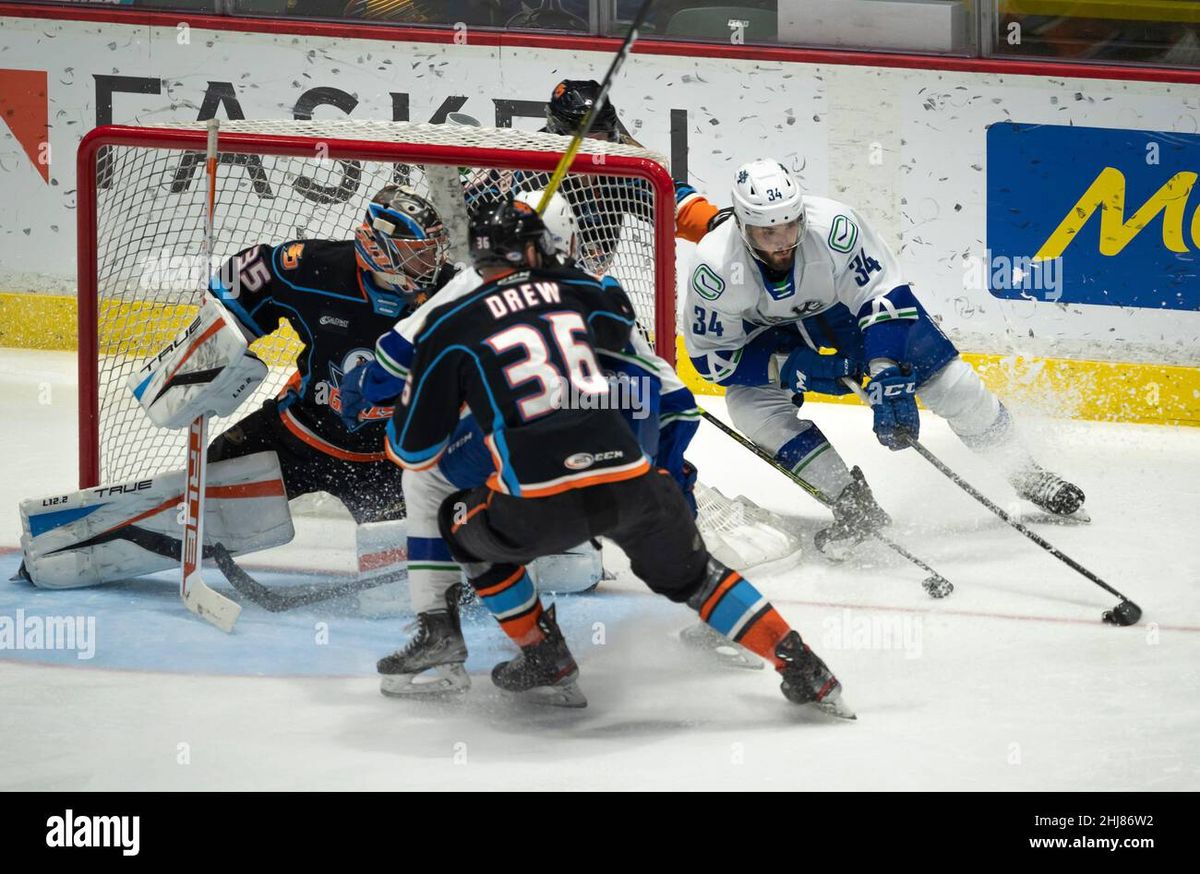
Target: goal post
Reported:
[(140, 229)]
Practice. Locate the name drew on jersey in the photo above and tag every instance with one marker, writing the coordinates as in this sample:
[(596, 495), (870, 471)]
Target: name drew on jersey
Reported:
[(521, 297)]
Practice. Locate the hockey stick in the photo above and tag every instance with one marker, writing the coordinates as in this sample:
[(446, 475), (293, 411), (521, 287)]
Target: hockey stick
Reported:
[(935, 584), (585, 126), (277, 601), (1125, 613), (196, 594)]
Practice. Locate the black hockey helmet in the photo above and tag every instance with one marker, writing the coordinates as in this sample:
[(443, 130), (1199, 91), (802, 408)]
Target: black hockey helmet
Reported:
[(500, 232), (570, 102)]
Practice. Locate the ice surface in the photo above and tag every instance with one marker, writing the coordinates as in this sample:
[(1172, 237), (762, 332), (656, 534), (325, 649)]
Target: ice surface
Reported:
[(1011, 683)]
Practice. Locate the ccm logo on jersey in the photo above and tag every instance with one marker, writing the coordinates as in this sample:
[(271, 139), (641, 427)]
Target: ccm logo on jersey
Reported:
[(584, 460)]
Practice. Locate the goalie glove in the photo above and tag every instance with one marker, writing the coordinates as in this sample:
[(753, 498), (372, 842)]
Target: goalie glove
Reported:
[(207, 369)]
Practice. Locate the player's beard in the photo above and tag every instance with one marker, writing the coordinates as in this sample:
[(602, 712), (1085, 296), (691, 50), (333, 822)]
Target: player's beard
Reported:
[(777, 259), (778, 262)]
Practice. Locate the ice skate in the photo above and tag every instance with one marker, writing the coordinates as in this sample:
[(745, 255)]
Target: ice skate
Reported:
[(807, 679), (432, 662), (856, 517), (1050, 492), (544, 672)]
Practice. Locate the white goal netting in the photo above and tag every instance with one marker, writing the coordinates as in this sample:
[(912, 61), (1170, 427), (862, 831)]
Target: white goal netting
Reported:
[(280, 181)]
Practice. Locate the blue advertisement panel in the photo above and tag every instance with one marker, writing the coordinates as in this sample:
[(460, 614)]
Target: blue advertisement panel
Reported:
[(1093, 216)]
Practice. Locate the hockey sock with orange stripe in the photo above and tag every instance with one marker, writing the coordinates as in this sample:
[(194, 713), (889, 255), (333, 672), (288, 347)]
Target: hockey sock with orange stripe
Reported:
[(508, 593), (731, 605)]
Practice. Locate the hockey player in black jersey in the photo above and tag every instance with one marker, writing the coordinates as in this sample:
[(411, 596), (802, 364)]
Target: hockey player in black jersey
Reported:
[(339, 296), (564, 472)]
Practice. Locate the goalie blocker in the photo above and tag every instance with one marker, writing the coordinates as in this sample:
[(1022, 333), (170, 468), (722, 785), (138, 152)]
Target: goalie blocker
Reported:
[(115, 532)]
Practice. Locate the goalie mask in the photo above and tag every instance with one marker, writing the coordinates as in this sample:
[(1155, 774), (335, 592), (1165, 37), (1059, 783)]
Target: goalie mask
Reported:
[(570, 102), (402, 242), (769, 209)]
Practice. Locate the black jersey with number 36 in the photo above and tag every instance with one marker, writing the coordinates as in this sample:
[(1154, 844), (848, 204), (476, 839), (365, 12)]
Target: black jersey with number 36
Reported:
[(520, 352)]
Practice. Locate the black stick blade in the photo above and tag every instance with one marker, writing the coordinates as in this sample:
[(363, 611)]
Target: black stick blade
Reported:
[(1125, 613), (937, 586)]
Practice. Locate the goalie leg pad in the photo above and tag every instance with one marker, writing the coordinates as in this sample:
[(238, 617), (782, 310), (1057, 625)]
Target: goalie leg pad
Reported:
[(569, 572), (120, 531)]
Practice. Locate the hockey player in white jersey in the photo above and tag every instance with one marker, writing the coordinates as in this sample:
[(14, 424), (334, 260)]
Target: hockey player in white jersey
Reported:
[(791, 276)]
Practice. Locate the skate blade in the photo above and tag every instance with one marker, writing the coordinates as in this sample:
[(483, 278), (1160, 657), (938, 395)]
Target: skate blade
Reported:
[(839, 551), (1044, 517), (833, 705), (440, 680), (720, 650), (1079, 517), (564, 693)]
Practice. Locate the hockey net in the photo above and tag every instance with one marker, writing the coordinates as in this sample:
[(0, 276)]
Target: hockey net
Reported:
[(141, 220)]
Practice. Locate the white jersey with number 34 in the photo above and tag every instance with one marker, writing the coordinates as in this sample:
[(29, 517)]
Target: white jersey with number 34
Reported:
[(730, 301)]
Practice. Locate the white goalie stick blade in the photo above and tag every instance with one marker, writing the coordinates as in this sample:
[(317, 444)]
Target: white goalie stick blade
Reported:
[(208, 603)]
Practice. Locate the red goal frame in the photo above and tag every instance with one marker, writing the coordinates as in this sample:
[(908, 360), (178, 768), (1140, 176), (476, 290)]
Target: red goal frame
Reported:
[(345, 149)]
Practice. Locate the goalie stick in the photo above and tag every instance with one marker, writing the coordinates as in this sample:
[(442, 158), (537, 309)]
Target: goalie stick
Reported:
[(196, 594), (935, 584), (277, 601)]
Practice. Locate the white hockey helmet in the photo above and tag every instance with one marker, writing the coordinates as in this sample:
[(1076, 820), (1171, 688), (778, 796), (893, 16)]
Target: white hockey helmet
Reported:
[(765, 195), (559, 219)]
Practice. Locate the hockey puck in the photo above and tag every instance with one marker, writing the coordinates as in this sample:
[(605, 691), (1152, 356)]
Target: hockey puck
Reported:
[(938, 587), (1125, 613)]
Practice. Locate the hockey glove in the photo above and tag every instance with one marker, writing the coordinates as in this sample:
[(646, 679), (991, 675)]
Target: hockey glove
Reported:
[(350, 394), (893, 396), (808, 370)]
